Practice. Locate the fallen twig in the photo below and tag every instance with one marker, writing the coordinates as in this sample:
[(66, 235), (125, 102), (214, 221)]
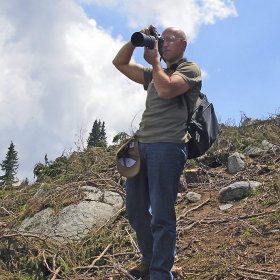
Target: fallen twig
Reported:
[(246, 276), (123, 271), (259, 214), (193, 209), (92, 265), (55, 273), (132, 241), (260, 271), (8, 212), (101, 255)]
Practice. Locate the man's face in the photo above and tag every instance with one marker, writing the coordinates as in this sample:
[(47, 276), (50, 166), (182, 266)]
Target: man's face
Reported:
[(173, 46)]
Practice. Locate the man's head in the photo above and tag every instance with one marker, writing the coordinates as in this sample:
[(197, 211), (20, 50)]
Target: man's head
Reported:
[(174, 45)]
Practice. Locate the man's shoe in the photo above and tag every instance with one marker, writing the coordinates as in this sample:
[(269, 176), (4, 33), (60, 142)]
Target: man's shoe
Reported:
[(140, 270)]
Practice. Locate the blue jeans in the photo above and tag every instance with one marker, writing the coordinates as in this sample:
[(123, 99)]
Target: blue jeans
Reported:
[(150, 199)]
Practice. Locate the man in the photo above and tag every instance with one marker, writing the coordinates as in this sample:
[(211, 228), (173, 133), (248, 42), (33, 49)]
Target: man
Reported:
[(151, 194)]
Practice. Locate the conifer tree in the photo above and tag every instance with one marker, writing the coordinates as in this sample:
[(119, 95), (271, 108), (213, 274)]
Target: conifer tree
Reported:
[(103, 136), (9, 165), (97, 136)]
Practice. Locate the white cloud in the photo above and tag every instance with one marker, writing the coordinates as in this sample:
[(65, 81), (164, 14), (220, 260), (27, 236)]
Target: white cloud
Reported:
[(188, 15), (58, 75), (57, 72)]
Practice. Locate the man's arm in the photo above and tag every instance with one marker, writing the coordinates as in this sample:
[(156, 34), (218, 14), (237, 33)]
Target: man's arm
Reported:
[(123, 63), (167, 86)]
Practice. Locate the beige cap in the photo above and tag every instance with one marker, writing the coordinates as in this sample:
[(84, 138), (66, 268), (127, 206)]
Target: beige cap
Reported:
[(128, 158)]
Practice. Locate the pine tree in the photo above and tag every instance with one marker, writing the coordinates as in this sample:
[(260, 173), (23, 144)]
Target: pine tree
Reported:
[(97, 136), (10, 166), (103, 136)]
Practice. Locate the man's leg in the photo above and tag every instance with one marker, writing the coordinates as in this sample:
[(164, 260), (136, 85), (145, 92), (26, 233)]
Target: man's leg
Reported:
[(137, 208), (165, 163)]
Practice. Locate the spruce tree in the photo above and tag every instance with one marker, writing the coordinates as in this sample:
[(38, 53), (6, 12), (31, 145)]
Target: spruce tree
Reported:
[(97, 136), (9, 165), (103, 136)]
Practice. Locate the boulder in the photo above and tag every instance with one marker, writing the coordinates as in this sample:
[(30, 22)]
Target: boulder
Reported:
[(264, 148), (76, 220), (237, 191), (236, 163)]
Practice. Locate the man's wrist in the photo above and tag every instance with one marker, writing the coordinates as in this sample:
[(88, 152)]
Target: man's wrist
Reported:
[(157, 65)]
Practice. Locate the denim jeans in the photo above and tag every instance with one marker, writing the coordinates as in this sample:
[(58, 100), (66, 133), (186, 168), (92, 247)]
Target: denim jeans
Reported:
[(150, 199)]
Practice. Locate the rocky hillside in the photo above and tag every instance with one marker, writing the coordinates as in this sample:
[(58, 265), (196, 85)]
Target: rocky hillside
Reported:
[(217, 239)]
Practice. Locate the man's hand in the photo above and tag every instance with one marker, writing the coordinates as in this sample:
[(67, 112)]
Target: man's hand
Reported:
[(151, 56), (147, 30)]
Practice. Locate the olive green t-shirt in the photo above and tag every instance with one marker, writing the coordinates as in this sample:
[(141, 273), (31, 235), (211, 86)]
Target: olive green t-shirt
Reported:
[(164, 120)]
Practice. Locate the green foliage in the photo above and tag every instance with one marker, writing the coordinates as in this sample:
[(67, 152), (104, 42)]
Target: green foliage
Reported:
[(13, 252), (52, 169), (9, 166), (28, 256), (237, 138), (55, 198), (76, 167), (247, 234), (15, 198), (120, 138), (97, 136)]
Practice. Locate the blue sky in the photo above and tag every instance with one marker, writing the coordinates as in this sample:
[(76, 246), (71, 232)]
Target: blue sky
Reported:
[(57, 73)]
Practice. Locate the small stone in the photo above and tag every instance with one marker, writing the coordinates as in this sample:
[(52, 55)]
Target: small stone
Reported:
[(225, 206)]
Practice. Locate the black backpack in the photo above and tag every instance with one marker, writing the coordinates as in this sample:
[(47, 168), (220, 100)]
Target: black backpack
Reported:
[(202, 125)]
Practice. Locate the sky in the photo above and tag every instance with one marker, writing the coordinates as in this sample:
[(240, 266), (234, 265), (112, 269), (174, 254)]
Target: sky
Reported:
[(57, 76)]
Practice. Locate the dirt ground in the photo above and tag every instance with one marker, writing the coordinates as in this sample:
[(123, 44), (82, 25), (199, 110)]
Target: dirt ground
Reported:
[(242, 242)]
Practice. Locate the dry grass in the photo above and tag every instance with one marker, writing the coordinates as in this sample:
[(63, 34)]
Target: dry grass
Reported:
[(242, 242)]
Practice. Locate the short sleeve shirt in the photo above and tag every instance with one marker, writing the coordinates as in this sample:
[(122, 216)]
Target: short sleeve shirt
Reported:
[(164, 120)]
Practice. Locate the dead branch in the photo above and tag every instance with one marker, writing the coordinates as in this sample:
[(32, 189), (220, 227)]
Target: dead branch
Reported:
[(132, 241), (259, 214), (260, 271), (9, 212), (95, 261), (123, 271), (192, 209), (101, 255), (246, 276), (23, 234), (55, 273)]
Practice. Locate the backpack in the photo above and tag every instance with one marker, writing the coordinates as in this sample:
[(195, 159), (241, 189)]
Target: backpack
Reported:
[(202, 123), (203, 127)]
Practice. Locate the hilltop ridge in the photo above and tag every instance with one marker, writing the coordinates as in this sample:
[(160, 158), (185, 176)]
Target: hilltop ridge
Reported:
[(241, 242)]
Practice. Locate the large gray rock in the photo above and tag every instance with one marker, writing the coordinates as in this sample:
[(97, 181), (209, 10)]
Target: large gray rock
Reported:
[(75, 221), (264, 148), (236, 163), (237, 191)]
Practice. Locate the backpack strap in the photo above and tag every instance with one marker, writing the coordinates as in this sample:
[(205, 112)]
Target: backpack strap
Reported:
[(185, 95), (174, 67), (190, 113)]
